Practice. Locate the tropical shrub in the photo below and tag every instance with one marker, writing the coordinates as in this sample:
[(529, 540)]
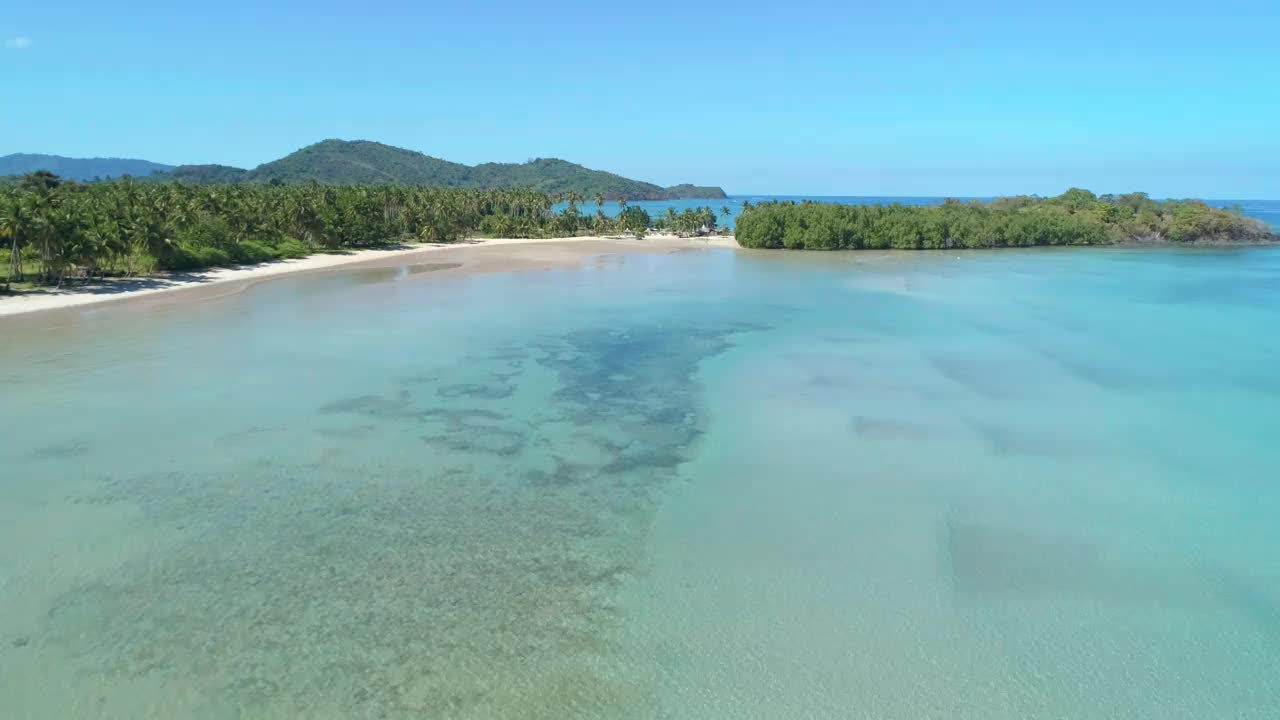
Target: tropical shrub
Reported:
[(1077, 217)]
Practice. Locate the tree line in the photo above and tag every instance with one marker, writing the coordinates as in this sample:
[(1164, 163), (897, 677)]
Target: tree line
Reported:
[(53, 230), (1077, 217), (690, 221)]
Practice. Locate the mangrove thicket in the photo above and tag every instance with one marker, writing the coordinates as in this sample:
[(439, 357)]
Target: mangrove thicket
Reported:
[(1077, 217)]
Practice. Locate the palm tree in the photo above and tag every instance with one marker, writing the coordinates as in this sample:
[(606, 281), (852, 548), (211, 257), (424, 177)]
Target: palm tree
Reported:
[(40, 180), (115, 225), (11, 221)]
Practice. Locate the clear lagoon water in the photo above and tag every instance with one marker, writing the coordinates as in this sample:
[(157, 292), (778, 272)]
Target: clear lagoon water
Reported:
[(1267, 211), (707, 484)]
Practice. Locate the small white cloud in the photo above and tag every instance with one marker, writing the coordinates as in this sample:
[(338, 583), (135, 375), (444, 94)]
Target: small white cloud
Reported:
[(18, 43)]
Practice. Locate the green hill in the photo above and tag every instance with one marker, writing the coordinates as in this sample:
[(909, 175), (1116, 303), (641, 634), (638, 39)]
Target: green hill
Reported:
[(560, 176), (360, 162), (364, 162), (205, 174), (78, 168)]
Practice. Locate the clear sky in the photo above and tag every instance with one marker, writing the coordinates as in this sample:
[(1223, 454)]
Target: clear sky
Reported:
[(932, 97)]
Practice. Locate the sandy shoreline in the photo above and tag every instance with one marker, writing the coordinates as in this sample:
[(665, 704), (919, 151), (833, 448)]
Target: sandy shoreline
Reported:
[(487, 255)]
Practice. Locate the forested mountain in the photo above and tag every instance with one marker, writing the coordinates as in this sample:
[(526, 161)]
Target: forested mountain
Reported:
[(80, 169), (559, 176), (205, 174), (362, 162)]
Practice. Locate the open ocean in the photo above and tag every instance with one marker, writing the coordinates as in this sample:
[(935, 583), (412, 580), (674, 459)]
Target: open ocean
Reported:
[(708, 484)]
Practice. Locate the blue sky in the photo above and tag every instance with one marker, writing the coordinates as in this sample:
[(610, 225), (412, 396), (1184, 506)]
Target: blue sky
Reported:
[(911, 98)]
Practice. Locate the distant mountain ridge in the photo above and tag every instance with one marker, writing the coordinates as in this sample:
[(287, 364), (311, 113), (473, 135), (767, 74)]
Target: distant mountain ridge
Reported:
[(80, 169), (364, 162)]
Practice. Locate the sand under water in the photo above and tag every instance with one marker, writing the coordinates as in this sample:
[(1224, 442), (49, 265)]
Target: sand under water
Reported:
[(709, 484)]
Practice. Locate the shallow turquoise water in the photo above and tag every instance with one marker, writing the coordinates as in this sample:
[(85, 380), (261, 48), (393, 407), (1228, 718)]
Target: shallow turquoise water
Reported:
[(710, 484)]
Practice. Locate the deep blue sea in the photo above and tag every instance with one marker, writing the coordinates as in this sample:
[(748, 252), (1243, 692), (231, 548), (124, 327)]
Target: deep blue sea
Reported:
[(1267, 211), (707, 484)]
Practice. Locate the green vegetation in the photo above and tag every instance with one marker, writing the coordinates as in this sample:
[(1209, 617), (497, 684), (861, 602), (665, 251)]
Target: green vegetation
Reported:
[(55, 230), (558, 176), (361, 162), (78, 168), (214, 174), (1077, 217), (688, 222)]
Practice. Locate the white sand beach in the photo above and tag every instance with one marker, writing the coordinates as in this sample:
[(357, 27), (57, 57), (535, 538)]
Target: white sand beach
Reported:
[(480, 255)]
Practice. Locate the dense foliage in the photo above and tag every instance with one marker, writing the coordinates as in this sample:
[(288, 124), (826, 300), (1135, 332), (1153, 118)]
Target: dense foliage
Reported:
[(558, 176), (1077, 217), (54, 229), (370, 163), (215, 174), (688, 222)]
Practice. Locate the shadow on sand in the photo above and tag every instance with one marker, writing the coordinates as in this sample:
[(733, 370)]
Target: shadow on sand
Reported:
[(169, 279)]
